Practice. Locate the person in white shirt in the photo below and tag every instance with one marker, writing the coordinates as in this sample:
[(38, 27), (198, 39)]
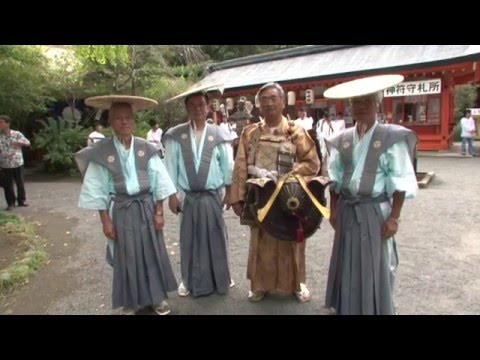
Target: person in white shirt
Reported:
[(229, 128), (324, 130), (96, 135), (338, 124), (154, 136), (468, 132), (303, 120), (11, 163)]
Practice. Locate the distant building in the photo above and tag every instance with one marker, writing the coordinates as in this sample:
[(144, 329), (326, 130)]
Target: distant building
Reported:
[(424, 102)]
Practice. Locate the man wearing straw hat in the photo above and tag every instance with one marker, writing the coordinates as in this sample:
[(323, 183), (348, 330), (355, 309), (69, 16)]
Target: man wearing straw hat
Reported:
[(372, 168), (126, 181), (200, 166)]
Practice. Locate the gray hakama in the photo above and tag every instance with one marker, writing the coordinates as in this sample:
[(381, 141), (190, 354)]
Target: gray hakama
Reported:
[(203, 240), (360, 280), (203, 247), (142, 274), (362, 267)]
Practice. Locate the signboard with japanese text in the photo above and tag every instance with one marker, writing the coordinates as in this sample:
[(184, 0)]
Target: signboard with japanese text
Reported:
[(414, 88), (476, 116)]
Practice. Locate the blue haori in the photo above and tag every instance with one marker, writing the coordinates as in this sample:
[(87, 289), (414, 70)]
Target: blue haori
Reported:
[(361, 276), (142, 274), (203, 246)]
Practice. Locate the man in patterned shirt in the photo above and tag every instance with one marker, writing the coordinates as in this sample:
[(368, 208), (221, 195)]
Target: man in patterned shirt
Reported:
[(11, 162)]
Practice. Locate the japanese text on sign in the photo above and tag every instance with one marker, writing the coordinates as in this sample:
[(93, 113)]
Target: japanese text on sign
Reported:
[(410, 88)]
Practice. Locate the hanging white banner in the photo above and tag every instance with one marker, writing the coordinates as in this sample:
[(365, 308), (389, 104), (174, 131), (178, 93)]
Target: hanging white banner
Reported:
[(411, 88), (475, 111)]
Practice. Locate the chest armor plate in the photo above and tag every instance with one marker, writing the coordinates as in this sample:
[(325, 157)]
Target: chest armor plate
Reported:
[(275, 152)]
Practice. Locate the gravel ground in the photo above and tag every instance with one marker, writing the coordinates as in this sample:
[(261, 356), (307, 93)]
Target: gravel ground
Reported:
[(438, 243)]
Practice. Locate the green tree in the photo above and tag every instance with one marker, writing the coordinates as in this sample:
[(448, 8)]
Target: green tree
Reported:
[(181, 55), (59, 139), (24, 82), (464, 98), (121, 69), (168, 113), (226, 52), (156, 71), (66, 81)]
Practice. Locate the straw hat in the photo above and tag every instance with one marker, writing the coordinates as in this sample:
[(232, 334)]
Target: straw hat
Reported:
[(105, 102), (362, 87), (199, 89)]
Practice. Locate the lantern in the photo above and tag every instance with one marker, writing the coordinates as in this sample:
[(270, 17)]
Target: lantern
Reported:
[(291, 98), (249, 106), (229, 104), (309, 97), (257, 102), (215, 104)]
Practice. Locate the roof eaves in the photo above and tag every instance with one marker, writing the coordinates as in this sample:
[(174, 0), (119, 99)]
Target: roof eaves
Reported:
[(370, 72), (276, 55)]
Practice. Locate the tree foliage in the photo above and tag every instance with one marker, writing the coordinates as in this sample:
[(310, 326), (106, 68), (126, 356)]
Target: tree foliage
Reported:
[(108, 55), (28, 82), (24, 82), (66, 82), (464, 98), (156, 71), (226, 52), (181, 55), (123, 69), (169, 113), (59, 139)]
